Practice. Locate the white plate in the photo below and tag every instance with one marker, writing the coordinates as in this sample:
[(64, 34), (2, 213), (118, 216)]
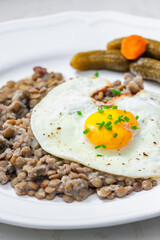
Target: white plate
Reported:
[(51, 42)]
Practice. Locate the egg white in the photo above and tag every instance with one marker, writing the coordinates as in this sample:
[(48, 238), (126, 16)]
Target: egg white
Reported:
[(59, 129)]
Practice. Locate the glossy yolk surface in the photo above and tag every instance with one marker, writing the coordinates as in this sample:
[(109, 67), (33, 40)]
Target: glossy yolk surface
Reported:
[(119, 132)]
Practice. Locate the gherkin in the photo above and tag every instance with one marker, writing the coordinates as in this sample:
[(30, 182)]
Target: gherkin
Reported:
[(153, 47), (110, 60), (115, 44), (148, 68)]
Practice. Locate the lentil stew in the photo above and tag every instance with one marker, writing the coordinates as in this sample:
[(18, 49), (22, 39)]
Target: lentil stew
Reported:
[(34, 172)]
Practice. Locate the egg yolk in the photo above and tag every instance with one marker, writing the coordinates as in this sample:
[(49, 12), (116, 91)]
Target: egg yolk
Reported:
[(110, 129)]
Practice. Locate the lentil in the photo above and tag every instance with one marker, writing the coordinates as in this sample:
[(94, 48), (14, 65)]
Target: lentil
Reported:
[(137, 186), (96, 182), (45, 183), (104, 192), (147, 184), (110, 179), (34, 172)]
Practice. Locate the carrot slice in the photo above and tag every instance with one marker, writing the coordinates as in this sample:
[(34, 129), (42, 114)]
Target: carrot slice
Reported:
[(132, 47)]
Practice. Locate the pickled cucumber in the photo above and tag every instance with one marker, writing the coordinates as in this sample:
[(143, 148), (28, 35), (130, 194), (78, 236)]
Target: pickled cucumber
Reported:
[(110, 60), (153, 47), (148, 68), (115, 44)]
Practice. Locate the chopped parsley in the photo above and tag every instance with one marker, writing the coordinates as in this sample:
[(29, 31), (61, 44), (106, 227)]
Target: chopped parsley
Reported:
[(100, 110), (124, 111), (103, 146), (109, 116), (108, 123), (97, 146), (115, 135), (120, 119), (106, 107), (79, 113), (137, 117), (99, 155), (126, 118), (101, 125), (87, 130), (134, 127), (115, 122), (96, 74), (114, 107), (109, 128), (117, 92)]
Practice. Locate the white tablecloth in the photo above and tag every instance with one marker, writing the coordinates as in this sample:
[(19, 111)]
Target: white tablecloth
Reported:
[(14, 9)]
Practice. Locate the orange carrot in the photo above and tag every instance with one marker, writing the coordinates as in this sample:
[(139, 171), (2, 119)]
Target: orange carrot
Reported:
[(133, 47)]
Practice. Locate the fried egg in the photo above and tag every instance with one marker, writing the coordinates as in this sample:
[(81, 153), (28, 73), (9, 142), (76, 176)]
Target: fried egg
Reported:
[(121, 138)]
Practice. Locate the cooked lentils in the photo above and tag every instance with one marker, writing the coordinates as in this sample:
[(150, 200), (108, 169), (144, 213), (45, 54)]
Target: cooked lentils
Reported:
[(131, 85), (34, 172)]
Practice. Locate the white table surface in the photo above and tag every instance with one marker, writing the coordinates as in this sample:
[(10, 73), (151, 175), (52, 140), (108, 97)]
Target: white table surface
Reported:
[(15, 9)]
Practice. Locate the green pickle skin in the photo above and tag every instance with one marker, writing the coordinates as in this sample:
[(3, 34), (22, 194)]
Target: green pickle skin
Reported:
[(115, 44), (148, 68), (110, 60), (153, 47)]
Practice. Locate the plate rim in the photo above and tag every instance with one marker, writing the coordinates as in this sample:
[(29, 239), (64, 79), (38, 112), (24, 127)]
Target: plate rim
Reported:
[(117, 15), (89, 17)]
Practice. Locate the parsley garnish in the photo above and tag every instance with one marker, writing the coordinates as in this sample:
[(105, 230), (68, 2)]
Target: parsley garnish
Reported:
[(96, 74), (79, 113), (109, 128), (103, 146), (115, 135), (99, 155), (114, 107), (116, 122), (120, 119), (87, 130), (109, 116), (117, 92), (126, 118), (106, 107), (100, 110), (137, 117), (108, 123), (134, 127), (101, 125), (97, 146)]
